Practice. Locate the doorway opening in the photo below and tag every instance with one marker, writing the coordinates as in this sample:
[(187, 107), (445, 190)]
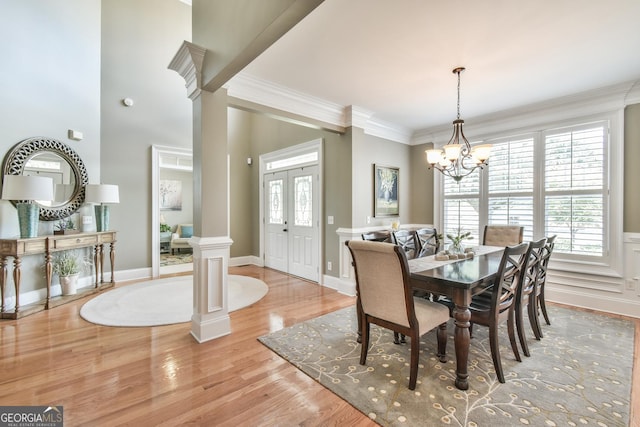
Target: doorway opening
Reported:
[(172, 208), (290, 208)]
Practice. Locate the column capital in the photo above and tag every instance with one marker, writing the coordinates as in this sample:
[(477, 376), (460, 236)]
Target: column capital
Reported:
[(188, 63)]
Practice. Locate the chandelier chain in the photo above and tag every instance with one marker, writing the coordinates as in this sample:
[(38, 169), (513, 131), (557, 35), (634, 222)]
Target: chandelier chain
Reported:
[(458, 94)]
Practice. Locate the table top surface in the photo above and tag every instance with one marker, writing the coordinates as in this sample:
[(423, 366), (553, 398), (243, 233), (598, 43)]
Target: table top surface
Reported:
[(461, 273)]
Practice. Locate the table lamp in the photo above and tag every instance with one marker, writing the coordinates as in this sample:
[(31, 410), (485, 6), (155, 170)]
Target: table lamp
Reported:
[(23, 190), (100, 194)]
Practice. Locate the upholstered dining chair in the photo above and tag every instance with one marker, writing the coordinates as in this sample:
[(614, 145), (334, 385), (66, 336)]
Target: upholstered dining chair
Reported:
[(540, 304), (526, 294), (378, 236), (408, 241), (502, 235), (428, 241), (385, 298), (497, 306)]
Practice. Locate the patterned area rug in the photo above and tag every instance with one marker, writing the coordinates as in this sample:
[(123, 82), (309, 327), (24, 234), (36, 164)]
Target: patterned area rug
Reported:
[(578, 374)]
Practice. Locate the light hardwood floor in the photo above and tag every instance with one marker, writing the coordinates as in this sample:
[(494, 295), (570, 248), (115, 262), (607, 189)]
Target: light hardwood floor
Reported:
[(105, 376)]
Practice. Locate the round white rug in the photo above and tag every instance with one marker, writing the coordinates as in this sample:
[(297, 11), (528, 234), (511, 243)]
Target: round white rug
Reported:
[(164, 301)]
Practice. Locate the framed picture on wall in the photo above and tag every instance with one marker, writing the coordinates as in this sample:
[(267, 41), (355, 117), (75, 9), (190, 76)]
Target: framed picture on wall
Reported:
[(170, 195), (385, 191)]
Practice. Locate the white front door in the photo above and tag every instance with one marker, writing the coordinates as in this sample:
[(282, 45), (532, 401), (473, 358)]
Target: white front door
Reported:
[(292, 221), (276, 238)]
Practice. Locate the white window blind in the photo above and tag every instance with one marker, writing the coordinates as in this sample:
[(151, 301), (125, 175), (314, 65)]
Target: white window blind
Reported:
[(575, 188), (511, 184), (462, 206)]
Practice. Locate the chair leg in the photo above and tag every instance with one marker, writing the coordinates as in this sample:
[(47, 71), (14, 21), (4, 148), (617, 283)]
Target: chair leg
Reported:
[(365, 342), (521, 334), (442, 342), (532, 310), (512, 336), (543, 306), (415, 355), (495, 353)]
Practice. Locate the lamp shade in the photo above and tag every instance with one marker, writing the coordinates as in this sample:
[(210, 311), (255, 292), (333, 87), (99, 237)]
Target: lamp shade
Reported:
[(102, 193), (27, 187)]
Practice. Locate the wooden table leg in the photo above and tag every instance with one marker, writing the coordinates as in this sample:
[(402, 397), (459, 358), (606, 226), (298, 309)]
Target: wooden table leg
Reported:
[(3, 281), (96, 263), (112, 255), (17, 275), (462, 315), (48, 271)]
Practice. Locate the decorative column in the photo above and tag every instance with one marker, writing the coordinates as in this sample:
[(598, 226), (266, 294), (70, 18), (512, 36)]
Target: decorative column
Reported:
[(211, 240)]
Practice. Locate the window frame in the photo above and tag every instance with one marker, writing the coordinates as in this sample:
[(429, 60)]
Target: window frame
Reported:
[(610, 264)]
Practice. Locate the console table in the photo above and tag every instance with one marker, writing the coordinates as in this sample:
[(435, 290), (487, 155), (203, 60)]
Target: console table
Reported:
[(47, 245)]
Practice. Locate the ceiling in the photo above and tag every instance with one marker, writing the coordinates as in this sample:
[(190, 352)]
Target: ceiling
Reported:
[(394, 58)]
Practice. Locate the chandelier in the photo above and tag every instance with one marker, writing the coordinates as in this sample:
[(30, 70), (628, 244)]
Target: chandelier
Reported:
[(457, 159)]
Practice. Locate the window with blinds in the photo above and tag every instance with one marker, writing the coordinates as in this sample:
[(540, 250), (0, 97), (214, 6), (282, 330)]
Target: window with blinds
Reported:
[(550, 182), (510, 184), (575, 188), (462, 206)]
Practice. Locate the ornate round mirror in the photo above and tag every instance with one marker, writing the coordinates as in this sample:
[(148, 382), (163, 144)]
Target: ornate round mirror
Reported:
[(52, 158)]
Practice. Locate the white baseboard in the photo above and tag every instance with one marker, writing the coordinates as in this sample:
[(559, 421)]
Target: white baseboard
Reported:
[(342, 286), (611, 303), (246, 260)]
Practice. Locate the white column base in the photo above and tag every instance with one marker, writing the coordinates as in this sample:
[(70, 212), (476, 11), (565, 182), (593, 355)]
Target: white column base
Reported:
[(210, 318)]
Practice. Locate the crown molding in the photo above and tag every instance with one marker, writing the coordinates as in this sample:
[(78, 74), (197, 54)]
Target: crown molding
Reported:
[(188, 63), (606, 99), (257, 91)]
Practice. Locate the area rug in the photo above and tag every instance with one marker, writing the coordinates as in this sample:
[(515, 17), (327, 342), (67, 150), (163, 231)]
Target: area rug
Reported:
[(163, 301), (178, 258), (578, 374)]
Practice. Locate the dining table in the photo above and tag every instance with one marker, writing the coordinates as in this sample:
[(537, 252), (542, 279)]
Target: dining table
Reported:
[(459, 280)]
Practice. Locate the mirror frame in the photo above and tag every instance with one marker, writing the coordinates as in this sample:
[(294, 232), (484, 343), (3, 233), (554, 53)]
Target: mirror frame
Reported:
[(16, 159)]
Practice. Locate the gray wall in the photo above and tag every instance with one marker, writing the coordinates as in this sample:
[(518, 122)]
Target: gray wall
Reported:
[(49, 83), (139, 39), (631, 170)]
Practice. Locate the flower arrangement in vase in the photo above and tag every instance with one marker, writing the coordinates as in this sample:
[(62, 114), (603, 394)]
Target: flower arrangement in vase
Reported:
[(457, 239)]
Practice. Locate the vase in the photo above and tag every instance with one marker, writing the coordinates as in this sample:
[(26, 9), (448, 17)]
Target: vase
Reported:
[(456, 248), (69, 284)]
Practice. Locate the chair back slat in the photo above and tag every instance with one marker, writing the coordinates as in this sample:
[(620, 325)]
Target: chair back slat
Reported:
[(378, 236), (428, 242), (407, 240), (508, 278)]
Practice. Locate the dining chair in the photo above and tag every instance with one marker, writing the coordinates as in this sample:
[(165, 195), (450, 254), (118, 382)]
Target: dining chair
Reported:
[(408, 241), (539, 302), (378, 236), (497, 304), (526, 294), (385, 298), (502, 235), (428, 241)]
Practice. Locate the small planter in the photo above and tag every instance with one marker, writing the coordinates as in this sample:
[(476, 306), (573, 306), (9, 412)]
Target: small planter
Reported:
[(69, 284)]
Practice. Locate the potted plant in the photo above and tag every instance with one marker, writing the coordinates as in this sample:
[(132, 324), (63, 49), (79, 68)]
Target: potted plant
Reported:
[(65, 226), (68, 266)]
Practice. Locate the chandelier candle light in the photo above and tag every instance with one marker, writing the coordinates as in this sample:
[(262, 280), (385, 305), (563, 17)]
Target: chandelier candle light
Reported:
[(457, 159), (100, 194), (23, 190)]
